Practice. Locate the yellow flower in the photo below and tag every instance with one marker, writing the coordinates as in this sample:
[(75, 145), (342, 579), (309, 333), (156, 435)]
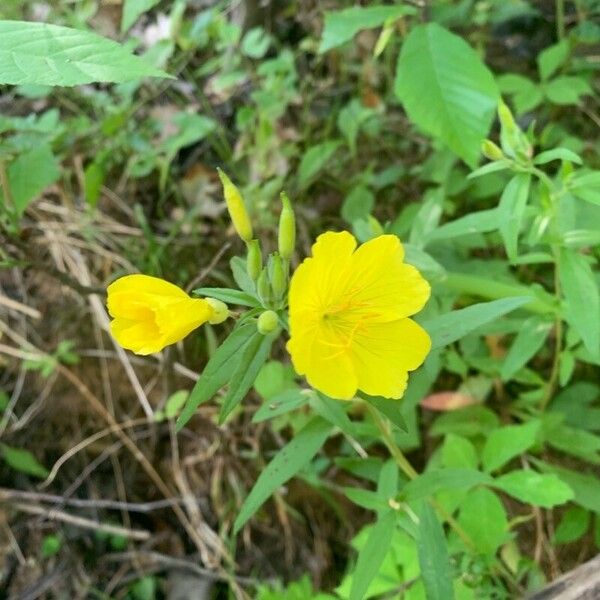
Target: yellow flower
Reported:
[(348, 320), (150, 313)]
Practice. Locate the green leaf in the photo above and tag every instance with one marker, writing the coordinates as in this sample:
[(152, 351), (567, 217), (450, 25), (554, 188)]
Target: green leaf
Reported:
[(492, 167), (240, 275), (512, 210), (582, 296), (23, 461), (388, 408), (534, 488), (551, 58), (573, 525), (557, 154), (505, 443), (358, 204), (333, 411), (529, 340), (483, 518), (586, 487), (437, 480), (314, 160), (454, 325), (133, 10), (372, 554), (219, 369), (446, 89), (31, 173), (459, 453), (433, 556), (567, 90), (586, 185), (256, 42), (255, 354), (287, 462), (46, 54), (342, 25), (280, 404), (481, 221), (228, 296)]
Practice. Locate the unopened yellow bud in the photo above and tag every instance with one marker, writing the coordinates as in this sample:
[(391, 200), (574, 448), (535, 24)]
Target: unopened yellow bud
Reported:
[(287, 228), (277, 275), (236, 207), (254, 260), (220, 311), (491, 150), (267, 322)]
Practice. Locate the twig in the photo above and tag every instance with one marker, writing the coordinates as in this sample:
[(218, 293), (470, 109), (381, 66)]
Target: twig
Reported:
[(20, 307)]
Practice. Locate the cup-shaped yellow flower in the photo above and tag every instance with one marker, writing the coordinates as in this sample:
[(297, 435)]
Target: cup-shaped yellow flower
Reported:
[(150, 313), (348, 316)]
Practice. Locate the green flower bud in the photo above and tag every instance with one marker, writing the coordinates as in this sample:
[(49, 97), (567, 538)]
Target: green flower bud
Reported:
[(375, 226), (220, 311), (491, 150), (277, 276), (263, 288), (507, 121), (236, 207), (287, 228), (254, 260), (267, 322)]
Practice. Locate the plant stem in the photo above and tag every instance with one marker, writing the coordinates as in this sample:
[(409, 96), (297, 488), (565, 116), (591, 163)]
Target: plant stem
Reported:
[(560, 19)]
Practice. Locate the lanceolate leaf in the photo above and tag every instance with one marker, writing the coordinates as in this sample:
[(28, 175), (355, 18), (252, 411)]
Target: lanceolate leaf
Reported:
[(218, 371), (44, 54), (229, 296), (446, 89), (454, 325), (433, 556), (512, 210), (288, 461)]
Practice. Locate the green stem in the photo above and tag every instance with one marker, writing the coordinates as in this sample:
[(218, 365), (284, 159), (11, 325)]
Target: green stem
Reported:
[(560, 19)]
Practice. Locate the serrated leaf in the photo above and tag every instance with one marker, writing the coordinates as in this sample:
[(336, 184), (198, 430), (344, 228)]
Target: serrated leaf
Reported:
[(287, 462), (535, 488), (446, 89), (342, 25), (255, 354), (23, 461), (218, 371), (529, 340), (454, 325), (45, 54), (434, 560), (228, 296), (512, 210), (504, 443), (582, 296), (372, 554)]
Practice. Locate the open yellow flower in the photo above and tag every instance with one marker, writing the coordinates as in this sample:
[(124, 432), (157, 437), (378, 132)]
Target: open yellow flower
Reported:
[(150, 313), (348, 320)]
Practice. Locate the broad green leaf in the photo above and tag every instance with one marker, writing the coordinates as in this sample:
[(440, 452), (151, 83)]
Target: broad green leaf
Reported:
[(512, 210), (218, 371), (256, 42), (371, 555), (459, 453), (342, 25), (557, 154), (567, 90), (437, 480), (454, 325), (287, 462), (175, 403), (255, 354), (576, 442), (133, 10), (228, 296), (358, 204), (551, 58), (23, 461), (525, 93), (573, 525), (273, 378), (582, 297), (388, 408), (46, 54), (281, 404), (433, 556), (504, 443), (529, 340), (446, 89), (314, 160), (483, 518), (31, 173), (535, 488), (481, 221)]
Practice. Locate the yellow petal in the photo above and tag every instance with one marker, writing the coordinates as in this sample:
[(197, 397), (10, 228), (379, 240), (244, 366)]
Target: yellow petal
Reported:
[(381, 285), (383, 353), (175, 320), (141, 337), (145, 284)]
